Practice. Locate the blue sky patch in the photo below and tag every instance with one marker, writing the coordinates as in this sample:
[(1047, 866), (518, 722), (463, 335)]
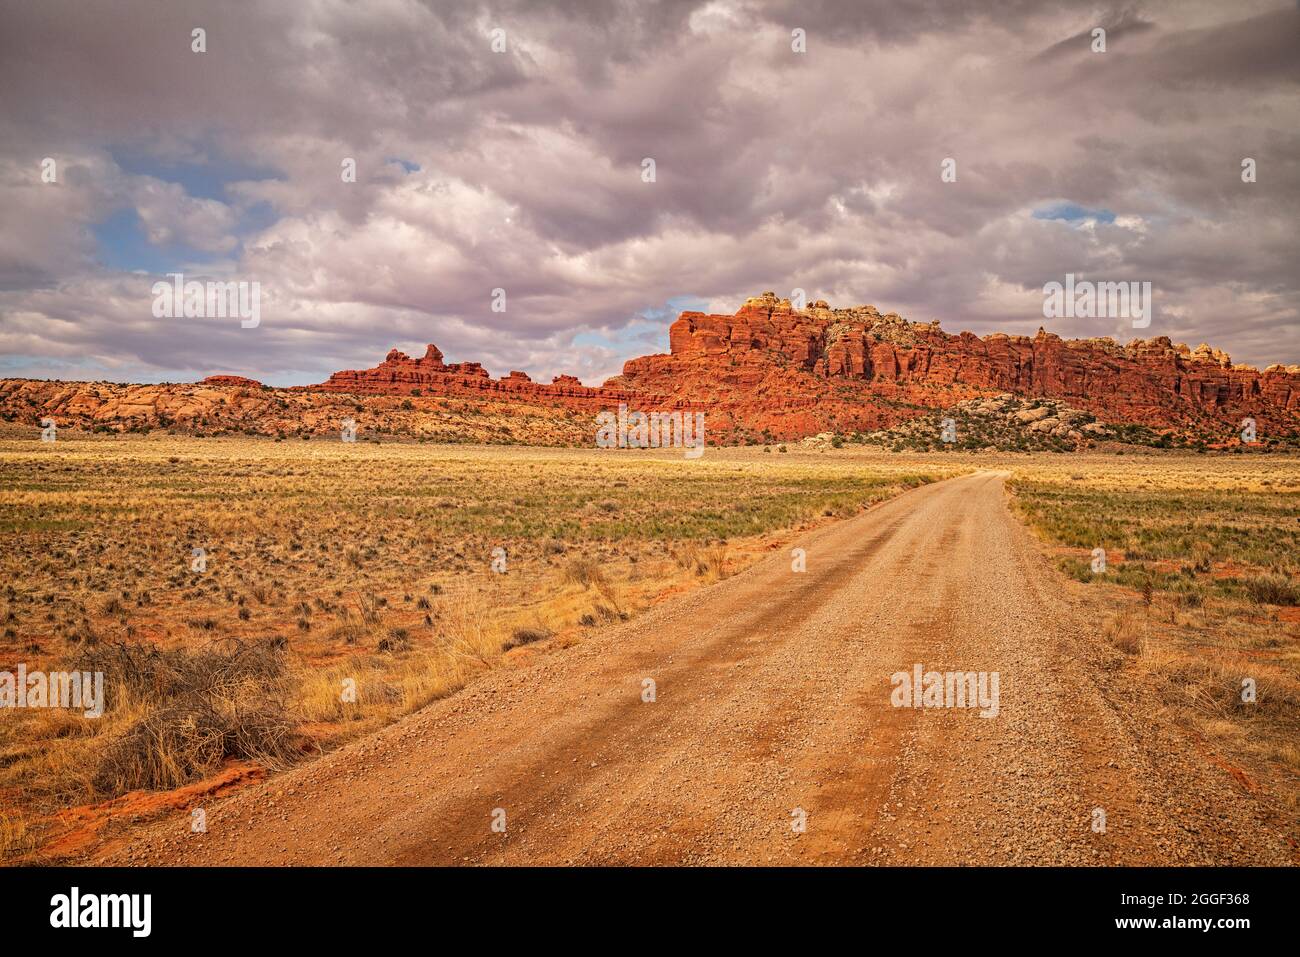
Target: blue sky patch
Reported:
[(647, 331), (121, 239), (1073, 213), (123, 245), (203, 180)]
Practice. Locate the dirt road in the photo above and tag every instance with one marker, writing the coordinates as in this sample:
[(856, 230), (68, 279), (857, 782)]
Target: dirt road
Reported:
[(772, 697)]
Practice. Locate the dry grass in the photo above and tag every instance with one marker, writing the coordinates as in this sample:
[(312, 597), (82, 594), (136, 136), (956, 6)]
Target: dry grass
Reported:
[(342, 586), (1203, 565), (182, 712), (16, 838), (1125, 631)]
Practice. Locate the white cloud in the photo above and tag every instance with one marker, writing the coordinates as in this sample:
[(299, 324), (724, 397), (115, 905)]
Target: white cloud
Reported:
[(775, 170)]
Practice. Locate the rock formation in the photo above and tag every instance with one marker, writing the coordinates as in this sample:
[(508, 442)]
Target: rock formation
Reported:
[(775, 369), (770, 372), (399, 374)]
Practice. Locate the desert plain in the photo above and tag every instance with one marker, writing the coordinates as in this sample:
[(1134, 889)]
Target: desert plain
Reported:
[(264, 611)]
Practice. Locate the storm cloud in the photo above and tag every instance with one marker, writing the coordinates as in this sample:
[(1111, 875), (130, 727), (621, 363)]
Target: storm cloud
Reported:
[(514, 160)]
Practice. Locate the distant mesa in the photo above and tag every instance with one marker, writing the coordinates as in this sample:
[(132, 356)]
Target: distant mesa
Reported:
[(399, 374), (770, 372), (773, 371)]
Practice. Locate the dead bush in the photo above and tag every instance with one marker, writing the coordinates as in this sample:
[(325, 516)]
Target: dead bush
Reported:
[(526, 636), (583, 571), (196, 709)]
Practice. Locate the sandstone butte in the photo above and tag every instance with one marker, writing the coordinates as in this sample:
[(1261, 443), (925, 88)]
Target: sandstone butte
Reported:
[(789, 373), (794, 372), (769, 372)]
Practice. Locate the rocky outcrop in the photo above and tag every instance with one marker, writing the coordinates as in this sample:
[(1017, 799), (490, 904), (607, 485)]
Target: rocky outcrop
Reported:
[(232, 380), (1003, 422), (770, 372), (776, 371), (399, 374), (220, 409)]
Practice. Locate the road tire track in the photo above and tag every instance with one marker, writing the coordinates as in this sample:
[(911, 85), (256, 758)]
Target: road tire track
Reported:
[(773, 698)]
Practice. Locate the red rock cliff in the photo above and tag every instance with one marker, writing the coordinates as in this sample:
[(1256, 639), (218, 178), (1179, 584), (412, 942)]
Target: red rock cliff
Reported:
[(399, 374), (772, 368)]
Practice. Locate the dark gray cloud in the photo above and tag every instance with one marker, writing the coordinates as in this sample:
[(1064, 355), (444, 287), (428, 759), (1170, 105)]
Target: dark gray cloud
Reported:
[(522, 170)]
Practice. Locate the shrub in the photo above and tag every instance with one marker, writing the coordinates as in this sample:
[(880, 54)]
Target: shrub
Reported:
[(583, 571), (1124, 632), (526, 636), (198, 708), (397, 639), (1273, 590)]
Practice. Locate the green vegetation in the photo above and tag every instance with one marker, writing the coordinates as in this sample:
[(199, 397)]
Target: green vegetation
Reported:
[(1181, 540)]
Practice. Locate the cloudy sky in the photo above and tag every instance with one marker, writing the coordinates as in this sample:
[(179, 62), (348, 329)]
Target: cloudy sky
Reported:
[(521, 168)]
